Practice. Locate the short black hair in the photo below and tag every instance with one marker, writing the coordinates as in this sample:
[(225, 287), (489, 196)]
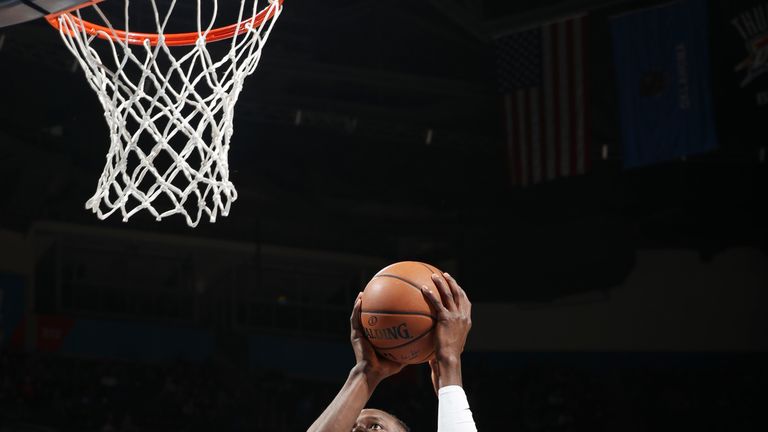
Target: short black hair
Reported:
[(401, 423)]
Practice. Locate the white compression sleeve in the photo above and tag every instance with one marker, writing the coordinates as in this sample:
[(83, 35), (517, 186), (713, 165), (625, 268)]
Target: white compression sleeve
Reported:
[(453, 414)]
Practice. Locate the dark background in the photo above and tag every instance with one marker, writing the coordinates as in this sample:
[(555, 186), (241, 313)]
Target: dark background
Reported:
[(322, 207)]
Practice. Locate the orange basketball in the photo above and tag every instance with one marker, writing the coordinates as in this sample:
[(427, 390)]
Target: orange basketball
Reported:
[(398, 319)]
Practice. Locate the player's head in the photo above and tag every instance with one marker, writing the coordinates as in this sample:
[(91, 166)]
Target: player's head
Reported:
[(378, 420)]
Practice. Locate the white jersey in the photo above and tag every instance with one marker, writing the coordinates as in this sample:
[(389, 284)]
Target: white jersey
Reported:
[(453, 413)]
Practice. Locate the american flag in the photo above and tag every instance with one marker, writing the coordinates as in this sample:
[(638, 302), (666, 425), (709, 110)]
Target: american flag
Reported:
[(542, 74)]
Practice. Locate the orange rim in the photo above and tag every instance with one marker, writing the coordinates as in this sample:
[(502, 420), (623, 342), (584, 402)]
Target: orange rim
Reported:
[(171, 39)]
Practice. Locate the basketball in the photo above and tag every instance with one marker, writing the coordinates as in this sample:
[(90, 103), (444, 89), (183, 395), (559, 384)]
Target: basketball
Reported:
[(397, 318)]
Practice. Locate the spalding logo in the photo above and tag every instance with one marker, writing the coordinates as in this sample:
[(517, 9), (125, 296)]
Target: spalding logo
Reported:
[(373, 320), (396, 332)]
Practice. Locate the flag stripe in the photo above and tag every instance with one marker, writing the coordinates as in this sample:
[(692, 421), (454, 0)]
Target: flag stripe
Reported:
[(535, 135), (578, 42), (572, 95), (521, 139), (564, 102), (546, 41), (510, 113), (529, 136), (542, 137), (587, 112), (558, 131)]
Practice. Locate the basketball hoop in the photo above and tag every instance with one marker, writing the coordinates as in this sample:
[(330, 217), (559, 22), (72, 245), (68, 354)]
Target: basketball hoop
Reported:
[(169, 105)]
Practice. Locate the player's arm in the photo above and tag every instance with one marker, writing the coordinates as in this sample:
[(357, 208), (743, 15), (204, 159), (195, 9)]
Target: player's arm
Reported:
[(454, 319), (367, 373)]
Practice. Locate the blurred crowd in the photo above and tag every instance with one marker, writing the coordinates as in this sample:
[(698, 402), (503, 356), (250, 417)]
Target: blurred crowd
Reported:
[(716, 396), (90, 395), (67, 394)]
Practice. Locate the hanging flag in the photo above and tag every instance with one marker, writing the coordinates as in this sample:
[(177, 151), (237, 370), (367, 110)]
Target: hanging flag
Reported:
[(543, 79), (740, 54), (663, 74)]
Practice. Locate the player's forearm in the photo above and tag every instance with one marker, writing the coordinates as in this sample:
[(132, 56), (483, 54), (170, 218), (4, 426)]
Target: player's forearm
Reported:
[(450, 370), (346, 406)]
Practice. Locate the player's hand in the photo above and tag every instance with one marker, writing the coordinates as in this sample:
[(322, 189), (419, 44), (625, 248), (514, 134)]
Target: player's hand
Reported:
[(372, 364), (454, 318)]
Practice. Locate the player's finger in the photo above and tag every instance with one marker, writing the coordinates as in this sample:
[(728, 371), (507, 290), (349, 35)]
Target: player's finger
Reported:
[(462, 301), (445, 292), (456, 290), (433, 299), (354, 320)]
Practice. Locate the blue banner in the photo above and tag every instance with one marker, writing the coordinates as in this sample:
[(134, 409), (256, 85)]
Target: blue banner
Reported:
[(128, 340), (301, 357), (11, 308), (663, 74)]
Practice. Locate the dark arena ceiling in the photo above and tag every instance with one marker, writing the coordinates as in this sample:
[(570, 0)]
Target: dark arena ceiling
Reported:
[(371, 79)]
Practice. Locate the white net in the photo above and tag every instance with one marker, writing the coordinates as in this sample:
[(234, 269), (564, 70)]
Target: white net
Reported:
[(169, 109)]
